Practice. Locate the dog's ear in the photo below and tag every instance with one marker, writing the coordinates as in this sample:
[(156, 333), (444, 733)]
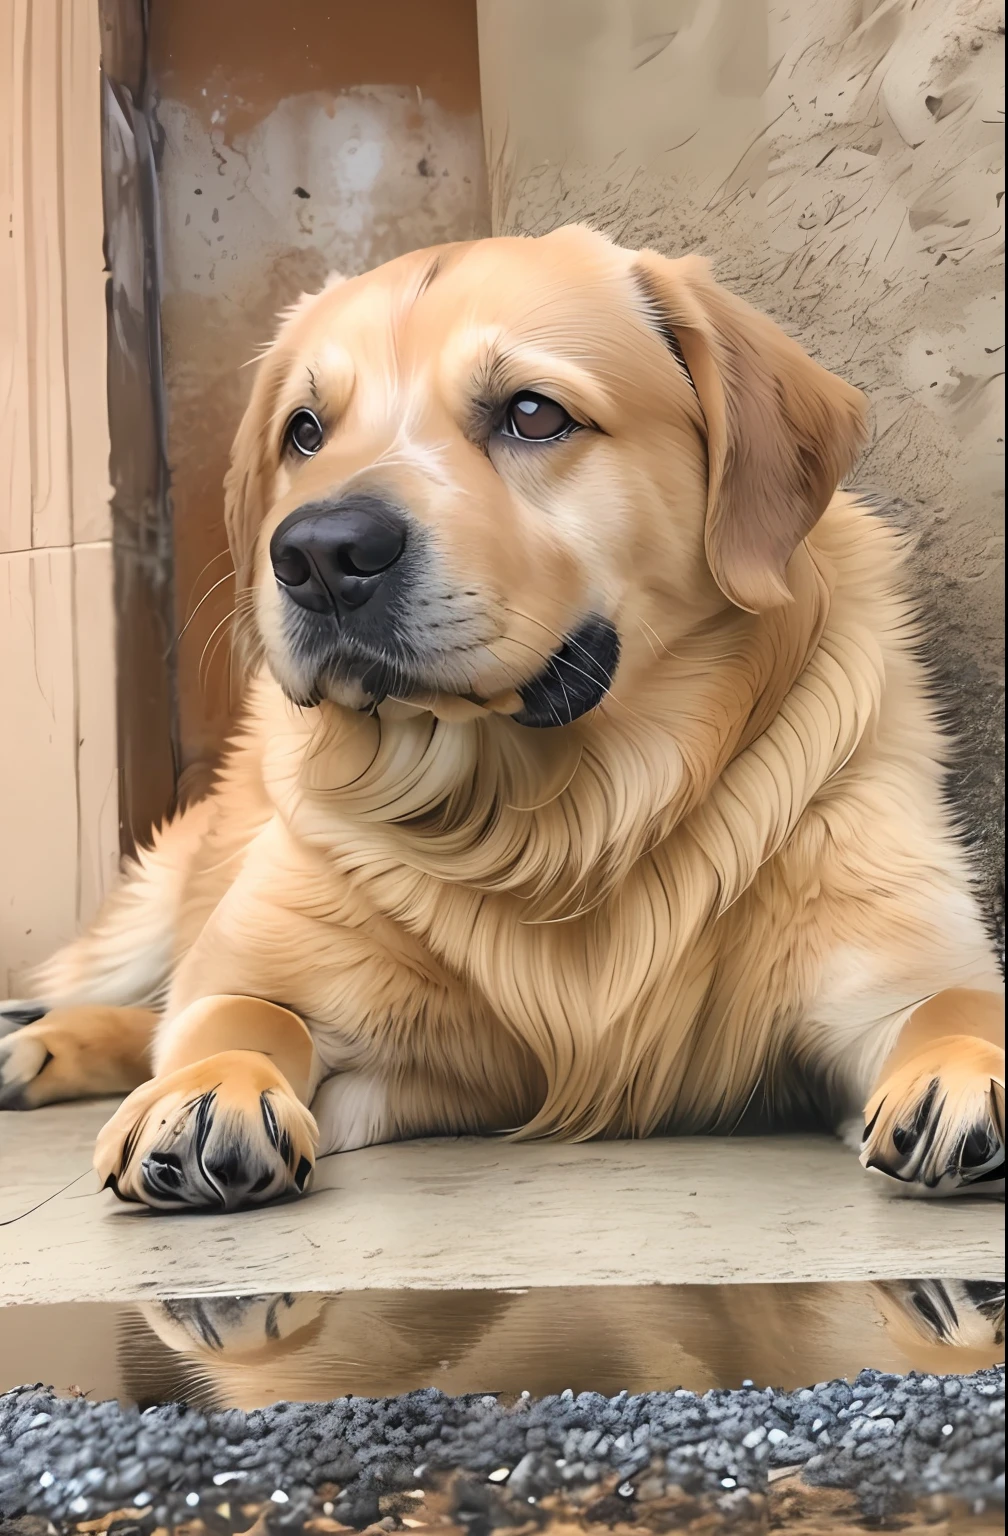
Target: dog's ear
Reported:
[(245, 481), (782, 433)]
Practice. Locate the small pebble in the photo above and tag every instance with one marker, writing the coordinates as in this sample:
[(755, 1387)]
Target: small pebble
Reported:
[(883, 1429)]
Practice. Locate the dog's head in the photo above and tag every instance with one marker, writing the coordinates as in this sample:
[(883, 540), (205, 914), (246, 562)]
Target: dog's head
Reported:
[(490, 477)]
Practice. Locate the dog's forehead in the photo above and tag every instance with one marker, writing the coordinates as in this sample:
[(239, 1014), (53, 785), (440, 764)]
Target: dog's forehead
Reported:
[(511, 285)]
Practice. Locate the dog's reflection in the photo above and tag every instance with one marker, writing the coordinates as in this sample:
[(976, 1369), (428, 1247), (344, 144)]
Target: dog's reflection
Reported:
[(250, 1351)]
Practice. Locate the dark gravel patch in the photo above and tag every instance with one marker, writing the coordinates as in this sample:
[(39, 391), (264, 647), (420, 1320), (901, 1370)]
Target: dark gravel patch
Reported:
[(892, 1439)]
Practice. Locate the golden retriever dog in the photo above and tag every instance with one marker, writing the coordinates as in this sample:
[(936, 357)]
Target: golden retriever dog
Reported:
[(588, 781)]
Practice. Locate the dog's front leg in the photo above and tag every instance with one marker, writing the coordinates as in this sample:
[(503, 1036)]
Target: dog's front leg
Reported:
[(225, 1121), (935, 1120)]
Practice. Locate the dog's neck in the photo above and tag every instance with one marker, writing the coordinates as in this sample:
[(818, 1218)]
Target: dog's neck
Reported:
[(557, 818)]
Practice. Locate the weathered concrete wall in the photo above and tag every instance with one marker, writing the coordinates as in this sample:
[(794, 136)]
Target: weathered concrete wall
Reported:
[(841, 163), (292, 147)]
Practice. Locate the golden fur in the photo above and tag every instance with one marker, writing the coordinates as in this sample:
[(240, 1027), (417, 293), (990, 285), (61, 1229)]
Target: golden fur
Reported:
[(730, 884)]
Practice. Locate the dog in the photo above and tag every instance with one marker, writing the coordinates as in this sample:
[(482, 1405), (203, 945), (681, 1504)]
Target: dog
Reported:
[(589, 780)]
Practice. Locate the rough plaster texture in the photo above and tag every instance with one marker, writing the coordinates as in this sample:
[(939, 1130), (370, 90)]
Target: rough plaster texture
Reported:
[(841, 164)]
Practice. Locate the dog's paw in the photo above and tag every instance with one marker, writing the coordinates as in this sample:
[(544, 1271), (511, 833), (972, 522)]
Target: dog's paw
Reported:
[(219, 1134), (936, 1125), (70, 1053), (24, 1057), (235, 1328), (15, 1015), (965, 1315)]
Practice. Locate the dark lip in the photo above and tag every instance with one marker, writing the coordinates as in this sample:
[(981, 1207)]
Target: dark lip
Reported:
[(575, 679)]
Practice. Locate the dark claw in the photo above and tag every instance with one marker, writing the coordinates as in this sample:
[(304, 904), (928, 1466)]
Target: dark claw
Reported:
[(27, 1013), (933, 1302), (270, 1120), (979, 1147), (871, 1123), (162, 1173), (906, 1137), (988, 1296), (304, 1168)]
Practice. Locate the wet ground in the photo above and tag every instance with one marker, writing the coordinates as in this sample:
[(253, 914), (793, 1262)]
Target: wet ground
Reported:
[(249, 1352), (319, 1412), (668, 1307)]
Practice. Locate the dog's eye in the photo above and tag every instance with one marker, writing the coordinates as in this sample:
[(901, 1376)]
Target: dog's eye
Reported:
[(536, 418), (304, 433)]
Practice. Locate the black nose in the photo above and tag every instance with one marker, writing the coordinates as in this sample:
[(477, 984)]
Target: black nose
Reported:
[(335, 555)]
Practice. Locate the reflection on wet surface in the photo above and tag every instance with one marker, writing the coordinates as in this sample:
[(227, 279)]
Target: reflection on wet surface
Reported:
[(246, 1352)]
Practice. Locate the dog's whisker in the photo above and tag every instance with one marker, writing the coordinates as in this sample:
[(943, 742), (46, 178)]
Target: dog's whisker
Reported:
[(645, 626), (215, 631), (199, 605)]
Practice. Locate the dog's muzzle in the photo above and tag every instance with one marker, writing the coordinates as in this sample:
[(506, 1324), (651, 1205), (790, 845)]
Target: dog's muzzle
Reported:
[(576, 678)]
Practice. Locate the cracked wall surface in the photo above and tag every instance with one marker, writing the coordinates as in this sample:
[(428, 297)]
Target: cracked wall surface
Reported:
[(841, 164)]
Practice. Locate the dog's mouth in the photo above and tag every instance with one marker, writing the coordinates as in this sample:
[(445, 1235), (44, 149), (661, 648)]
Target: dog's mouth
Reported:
[(574, 680)]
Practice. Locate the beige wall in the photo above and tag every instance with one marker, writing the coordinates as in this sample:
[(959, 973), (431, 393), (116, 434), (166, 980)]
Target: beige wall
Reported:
[(841, 163), (59, 837)]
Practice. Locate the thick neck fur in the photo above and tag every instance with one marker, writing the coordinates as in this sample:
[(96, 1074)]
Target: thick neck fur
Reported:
[(626, 836)]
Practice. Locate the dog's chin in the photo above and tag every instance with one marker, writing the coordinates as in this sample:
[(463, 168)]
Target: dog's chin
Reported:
[(574, 681)]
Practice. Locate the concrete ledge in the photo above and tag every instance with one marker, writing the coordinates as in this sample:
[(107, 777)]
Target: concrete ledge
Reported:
[(483, 1214)]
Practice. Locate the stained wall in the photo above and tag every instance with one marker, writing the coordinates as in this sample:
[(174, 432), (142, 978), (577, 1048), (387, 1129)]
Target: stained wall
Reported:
[(291, 147)]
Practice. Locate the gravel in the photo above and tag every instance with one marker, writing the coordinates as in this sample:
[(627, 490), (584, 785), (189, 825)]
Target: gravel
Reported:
[(892, 1439)]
